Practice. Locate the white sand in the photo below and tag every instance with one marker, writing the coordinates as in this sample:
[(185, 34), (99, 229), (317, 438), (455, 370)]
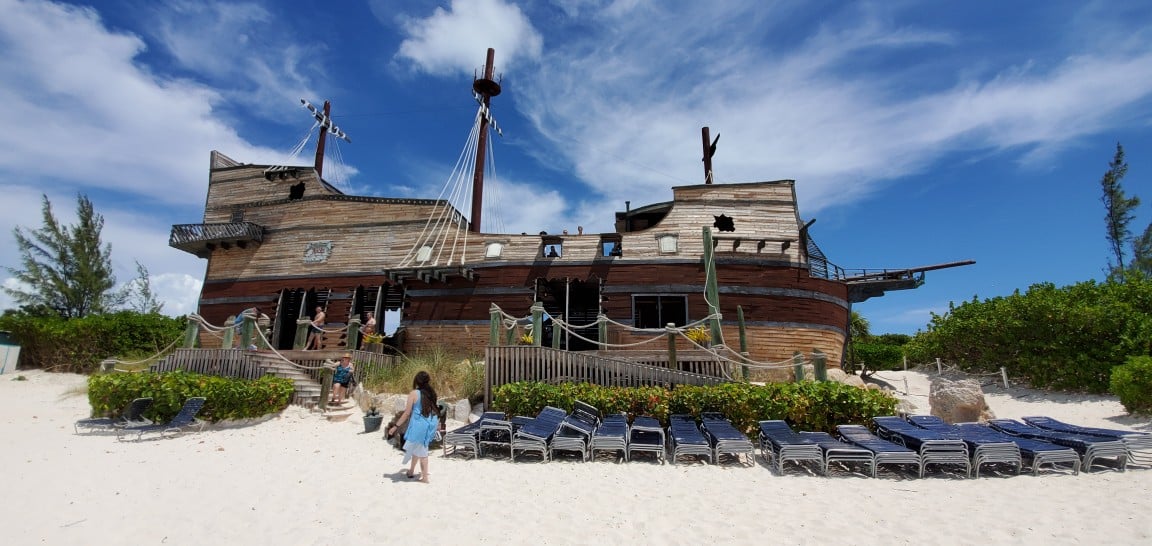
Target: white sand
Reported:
[(298, 479)]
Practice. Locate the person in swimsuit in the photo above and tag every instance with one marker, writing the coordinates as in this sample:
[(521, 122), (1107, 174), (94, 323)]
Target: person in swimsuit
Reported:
[(315, 330), (423, 418), (342, 378)]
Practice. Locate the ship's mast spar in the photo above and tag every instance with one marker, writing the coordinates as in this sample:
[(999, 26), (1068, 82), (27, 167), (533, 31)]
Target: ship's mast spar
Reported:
[(485, 88), (324, 119)]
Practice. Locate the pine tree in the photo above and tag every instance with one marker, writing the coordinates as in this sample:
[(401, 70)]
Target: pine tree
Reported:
[(66, 270), (1119, 211)]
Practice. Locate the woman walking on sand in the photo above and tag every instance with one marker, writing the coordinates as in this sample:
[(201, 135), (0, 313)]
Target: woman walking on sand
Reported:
[(423, 420)]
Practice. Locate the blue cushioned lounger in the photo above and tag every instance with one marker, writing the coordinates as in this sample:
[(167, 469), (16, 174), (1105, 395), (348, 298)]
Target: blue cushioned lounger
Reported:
[(468, 436), (780, 444), (186, 418), (725, 439), (646, 436), (1090, 448), (535, 434), (576, 431), (934, 447), (1139, 444), (1035, 453), (611, 435), (686, 438), (984, 445), (132, 416), (883, 451), (836, 451)]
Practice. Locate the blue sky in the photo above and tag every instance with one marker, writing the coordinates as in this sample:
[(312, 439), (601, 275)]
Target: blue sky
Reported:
[(918, 132)]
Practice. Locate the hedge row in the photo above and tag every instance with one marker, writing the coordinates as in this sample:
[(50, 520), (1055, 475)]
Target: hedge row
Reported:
[(225, 398), (78, 345), (816, 406)]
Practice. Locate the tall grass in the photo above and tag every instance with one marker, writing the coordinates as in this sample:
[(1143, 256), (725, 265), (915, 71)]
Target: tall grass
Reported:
[(453, 375)]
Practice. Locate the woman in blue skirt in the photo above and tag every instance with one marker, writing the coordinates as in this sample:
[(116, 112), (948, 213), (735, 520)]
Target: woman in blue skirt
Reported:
[(423, 421)]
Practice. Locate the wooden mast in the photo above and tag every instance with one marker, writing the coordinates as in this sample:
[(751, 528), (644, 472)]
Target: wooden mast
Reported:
[(485, 88), (321, 140)]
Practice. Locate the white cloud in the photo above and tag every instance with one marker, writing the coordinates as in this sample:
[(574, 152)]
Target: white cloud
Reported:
[(447, 41)]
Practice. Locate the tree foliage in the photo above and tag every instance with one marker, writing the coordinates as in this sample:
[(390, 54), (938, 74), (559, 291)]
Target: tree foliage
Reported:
[(65, 270), (1119, 209), (1065, 338)]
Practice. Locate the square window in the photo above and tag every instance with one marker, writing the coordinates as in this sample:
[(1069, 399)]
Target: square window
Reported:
[(669, 243), (493, 250), (651, 311)]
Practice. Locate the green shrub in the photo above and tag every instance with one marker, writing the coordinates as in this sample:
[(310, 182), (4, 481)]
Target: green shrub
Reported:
[(78, 345), (1063, 338), (225, 398), (817, 406), (1132, 384)]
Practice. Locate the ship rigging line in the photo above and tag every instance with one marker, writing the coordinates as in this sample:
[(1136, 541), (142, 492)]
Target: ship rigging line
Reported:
[(456, 191)]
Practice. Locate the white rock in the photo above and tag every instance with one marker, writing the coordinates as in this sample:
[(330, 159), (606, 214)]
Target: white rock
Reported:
[(461, 409)]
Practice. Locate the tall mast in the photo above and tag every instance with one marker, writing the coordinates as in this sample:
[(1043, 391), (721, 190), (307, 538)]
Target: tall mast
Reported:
[(485, 88), (709, 151), (320, 142)]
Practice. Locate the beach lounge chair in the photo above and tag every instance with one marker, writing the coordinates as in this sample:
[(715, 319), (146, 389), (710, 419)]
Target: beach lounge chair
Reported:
[(1089, 447), (1139, 444), (535, 434), (576, 431), (611, 435), (837, 451), (780, 444), (937, 448), (725, 439), (185, 419), (883, 451), (132, 416), (984, 445), (468, 436), (686, 438), (646, 436), (1034, 453)]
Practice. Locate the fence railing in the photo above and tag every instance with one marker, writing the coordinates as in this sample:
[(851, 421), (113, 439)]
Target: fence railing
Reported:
[(509, 364), (220, 362)]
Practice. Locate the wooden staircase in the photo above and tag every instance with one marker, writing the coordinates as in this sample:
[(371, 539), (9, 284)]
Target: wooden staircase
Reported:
[(308, 388)]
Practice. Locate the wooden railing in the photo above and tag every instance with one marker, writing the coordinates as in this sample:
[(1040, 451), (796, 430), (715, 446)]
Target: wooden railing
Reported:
[(220, 362), (509, 364)]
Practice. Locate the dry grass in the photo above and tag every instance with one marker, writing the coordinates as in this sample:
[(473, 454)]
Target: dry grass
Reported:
[(453, 375)]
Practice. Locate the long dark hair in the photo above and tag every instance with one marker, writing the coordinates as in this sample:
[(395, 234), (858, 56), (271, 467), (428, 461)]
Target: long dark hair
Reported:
[(423, 383)]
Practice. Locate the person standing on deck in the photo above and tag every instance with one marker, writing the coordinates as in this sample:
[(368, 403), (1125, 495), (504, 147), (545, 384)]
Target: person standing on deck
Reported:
[(316, 329)]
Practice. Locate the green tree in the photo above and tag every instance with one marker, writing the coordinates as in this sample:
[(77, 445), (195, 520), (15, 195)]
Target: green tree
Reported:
[(1119, 212), (138, 295), (66, 271)]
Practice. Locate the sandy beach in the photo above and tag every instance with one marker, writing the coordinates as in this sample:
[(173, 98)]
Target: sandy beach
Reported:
[(296, 478)]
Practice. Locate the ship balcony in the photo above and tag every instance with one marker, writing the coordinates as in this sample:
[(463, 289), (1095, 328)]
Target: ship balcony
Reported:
[(202, 239)]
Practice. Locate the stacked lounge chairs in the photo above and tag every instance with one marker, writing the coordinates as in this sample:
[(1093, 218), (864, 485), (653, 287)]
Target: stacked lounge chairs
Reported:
[(780, 444), (611, 435), (883, 451), (985, 445), (468, 436), (1089, 447), (646, 436), (686, 438), (934, 447), (1033, 452), (725, 439), (536, 434), (575, 433), (837, 451), (1139, 444)]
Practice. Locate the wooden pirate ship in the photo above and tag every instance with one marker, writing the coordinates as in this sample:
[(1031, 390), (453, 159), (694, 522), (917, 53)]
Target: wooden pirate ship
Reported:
[(284, 240)]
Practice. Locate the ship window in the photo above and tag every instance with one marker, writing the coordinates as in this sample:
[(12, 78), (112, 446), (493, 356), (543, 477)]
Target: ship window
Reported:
[(296, 191), (493, 250), (610, 245), (424, 254), (553, 251), (237, 215), (669, 243), (658, 311)]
